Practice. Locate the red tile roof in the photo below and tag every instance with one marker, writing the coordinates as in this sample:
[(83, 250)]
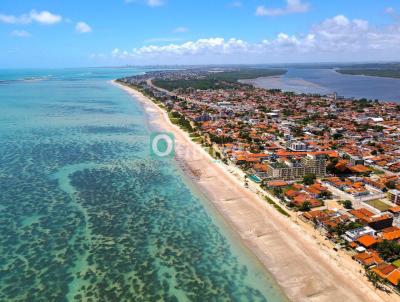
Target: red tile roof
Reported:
[(366, 240), (277, 183), (394, 277)]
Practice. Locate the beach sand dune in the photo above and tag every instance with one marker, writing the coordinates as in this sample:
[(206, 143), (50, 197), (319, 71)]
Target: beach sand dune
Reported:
[(304, 269)]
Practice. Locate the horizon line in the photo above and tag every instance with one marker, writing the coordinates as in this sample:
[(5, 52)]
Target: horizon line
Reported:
[(215, 64)]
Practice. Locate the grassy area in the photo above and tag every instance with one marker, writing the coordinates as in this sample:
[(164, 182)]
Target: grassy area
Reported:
[(287, 188), (174, 120), (396, 263), (218, 80), (276, 206), (377, 171), (386, 73), (211, 151), (197, 139), (179, 120), (378, 204)]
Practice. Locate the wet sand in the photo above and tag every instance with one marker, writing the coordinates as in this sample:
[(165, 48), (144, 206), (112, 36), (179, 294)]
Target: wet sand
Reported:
[(301, 267)]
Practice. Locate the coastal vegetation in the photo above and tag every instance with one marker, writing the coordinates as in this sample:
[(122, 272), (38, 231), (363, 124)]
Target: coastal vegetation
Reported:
[(178, 119), (386, 73), (276, 206), (387, 70), (243, 74), (195, 84), (373, 277), (217, 80)]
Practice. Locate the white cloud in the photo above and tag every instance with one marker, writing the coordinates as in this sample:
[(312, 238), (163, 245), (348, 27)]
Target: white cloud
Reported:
[(292, 7), (181, 29), (334, 39), (10, 19), (20, 33), (199, 47), (82, 27), (43, 17)]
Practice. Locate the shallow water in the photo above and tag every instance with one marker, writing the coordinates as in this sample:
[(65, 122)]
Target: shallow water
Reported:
[(325, 81), (87, 215)]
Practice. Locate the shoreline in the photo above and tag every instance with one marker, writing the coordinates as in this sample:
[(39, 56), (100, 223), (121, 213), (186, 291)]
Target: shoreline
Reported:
[(303, 269), (234, 239)]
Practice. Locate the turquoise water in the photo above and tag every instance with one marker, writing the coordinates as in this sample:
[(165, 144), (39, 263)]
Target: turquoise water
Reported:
[(87, 215), (255, 178)]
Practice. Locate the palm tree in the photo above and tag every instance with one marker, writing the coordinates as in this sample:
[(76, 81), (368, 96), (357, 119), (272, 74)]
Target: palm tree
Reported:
[(373, 278)]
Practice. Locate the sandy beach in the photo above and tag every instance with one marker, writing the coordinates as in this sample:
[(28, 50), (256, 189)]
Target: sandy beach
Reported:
[(304, 268)]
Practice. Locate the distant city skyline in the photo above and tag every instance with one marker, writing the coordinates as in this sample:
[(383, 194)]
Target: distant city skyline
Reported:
[(46, 33)]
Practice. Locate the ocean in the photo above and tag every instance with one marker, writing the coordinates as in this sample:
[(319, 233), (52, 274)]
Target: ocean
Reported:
[(326, 81), (87, 215)]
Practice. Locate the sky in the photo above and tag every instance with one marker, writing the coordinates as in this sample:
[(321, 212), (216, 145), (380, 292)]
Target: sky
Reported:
[(72, 33)]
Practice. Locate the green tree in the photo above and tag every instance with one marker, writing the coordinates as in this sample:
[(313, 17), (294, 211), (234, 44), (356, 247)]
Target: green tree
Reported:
[(348, 204), (390, 184), (326, 195), (277, 191), (389, 250), (305, 207), (373, 278), (340, 229), (337, 136), (331, 167), (309, 179), (297, 131)]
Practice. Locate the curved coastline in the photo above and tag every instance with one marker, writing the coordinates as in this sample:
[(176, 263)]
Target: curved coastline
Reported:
[(303, 268)]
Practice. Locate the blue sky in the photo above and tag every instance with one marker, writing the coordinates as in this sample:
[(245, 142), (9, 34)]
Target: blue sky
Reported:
[(59, 33)]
